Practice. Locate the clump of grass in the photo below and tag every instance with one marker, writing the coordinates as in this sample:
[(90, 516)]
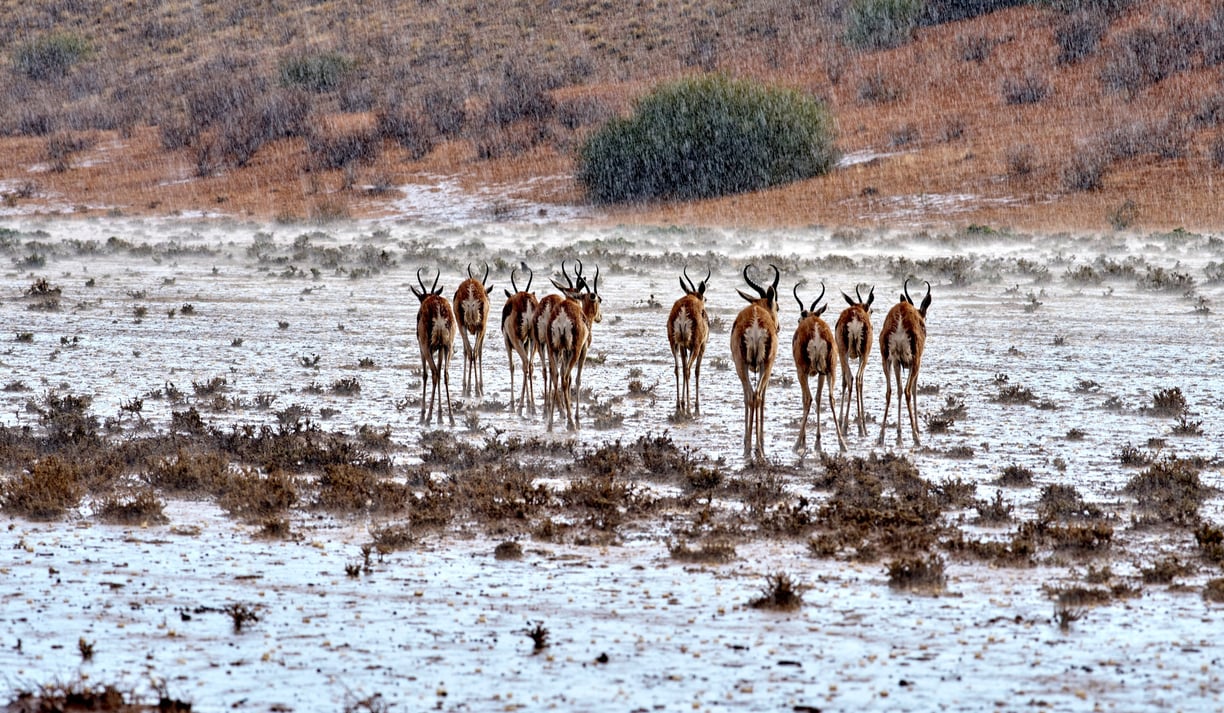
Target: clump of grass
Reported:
[(780, 593), (942, 420), (46, 491), (1014, 394), (1065, 616), (346, 386), (1164, 571), (252, 496), (141, 506), (710, 552), (1016, 476), (392, 537), (1063, 502), (1169, 490), (1213, 590), (997, 510), (241, 615), (539, 637), (508, 550), (1210, 540), (1167, 402), (1090, 537), (345, 487), (925, 574)]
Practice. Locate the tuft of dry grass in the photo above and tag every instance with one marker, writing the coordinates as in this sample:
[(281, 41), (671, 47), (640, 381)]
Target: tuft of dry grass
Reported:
[(917, 574), (142, 505), (780, 593)]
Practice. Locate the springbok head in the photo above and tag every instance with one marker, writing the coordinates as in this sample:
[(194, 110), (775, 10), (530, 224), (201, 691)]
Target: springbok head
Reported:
[(425, 292)]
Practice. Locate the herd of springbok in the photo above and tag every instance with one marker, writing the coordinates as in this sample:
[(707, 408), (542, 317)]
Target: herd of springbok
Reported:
[(558, 328)]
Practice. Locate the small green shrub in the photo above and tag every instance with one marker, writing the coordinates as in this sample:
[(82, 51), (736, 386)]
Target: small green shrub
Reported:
[(322, 72), (50, 56), (881, 24), (708, 136)]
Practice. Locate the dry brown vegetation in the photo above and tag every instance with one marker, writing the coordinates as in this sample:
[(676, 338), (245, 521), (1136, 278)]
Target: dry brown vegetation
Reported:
[(319, 110)]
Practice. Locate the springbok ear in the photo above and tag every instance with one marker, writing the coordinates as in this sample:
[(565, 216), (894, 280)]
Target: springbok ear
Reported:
[(508, 295), (821, 310), (870, 299), (746, 296), (926, 302), (701, 289), (771, 294), (849, 300)]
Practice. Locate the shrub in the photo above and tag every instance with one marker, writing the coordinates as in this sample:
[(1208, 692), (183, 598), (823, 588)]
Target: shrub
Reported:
[(878, 89), (522, 95), (445, 110), (1029, 89), (398, 122), (51, 487), (935, 12), (330, 150), (708, 136), (50, 56), (880, 24), (1085, 170), (1216, 150), (1021, 160), (322, 72), (1078, 36), (1143, 57)]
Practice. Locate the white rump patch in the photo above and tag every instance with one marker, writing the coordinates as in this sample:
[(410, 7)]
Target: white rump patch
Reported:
[(899, 347), (756, 344), (471, 313), (682, 329), (562, 334), (818, 353), (441, 328)]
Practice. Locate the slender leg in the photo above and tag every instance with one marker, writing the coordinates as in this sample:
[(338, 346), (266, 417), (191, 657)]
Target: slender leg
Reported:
[(801, 442), (841, 438), (887, 404), (700, 352), (676, 369), (900, 397)]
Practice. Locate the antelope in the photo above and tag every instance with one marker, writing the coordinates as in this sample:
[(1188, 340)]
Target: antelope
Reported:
[(543, 316), (569, 338), (472, 305), (902, 339), (754, 345), (853, 332), (436, 336), (688, 328), (815, 353), (518, 332)]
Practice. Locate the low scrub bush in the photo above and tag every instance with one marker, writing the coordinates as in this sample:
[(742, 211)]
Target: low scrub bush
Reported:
[(400, 123), (881, 24), (321, 72), (1078, 35), (50, 56), (50, 488), (1145, 56), (339, 149), (708, 136), (1028, 89)]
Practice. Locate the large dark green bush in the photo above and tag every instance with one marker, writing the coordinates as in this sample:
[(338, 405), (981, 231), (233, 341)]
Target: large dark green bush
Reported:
[(50, 56), (707, 136)]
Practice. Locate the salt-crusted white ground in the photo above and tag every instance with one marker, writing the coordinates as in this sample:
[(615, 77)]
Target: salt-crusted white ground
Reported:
[(444, 626)]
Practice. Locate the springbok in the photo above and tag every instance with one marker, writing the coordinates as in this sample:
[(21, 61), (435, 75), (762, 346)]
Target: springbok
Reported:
[(688, 328), (902, 339), (815, 353), (435, 330), (472, 305), (853, 332), (569, 339), (754, 345), (518, 332), (543, 316)]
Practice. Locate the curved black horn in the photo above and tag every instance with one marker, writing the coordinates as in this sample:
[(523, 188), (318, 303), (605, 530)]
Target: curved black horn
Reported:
[(484, 280), (434, 290), (905, 291), (795, 291), (777, 277), (858, 293), (530, 276), (706, 281), (690, 287), (760, 290), (470, 270), (421, 282), (512, 284), (595, 285), (818, 299)]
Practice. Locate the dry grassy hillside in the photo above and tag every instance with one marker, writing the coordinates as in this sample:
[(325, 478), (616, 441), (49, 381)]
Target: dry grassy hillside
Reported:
[(320, 110)]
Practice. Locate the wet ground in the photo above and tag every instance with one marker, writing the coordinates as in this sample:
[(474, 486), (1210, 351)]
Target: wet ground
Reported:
[(1094, 326)]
